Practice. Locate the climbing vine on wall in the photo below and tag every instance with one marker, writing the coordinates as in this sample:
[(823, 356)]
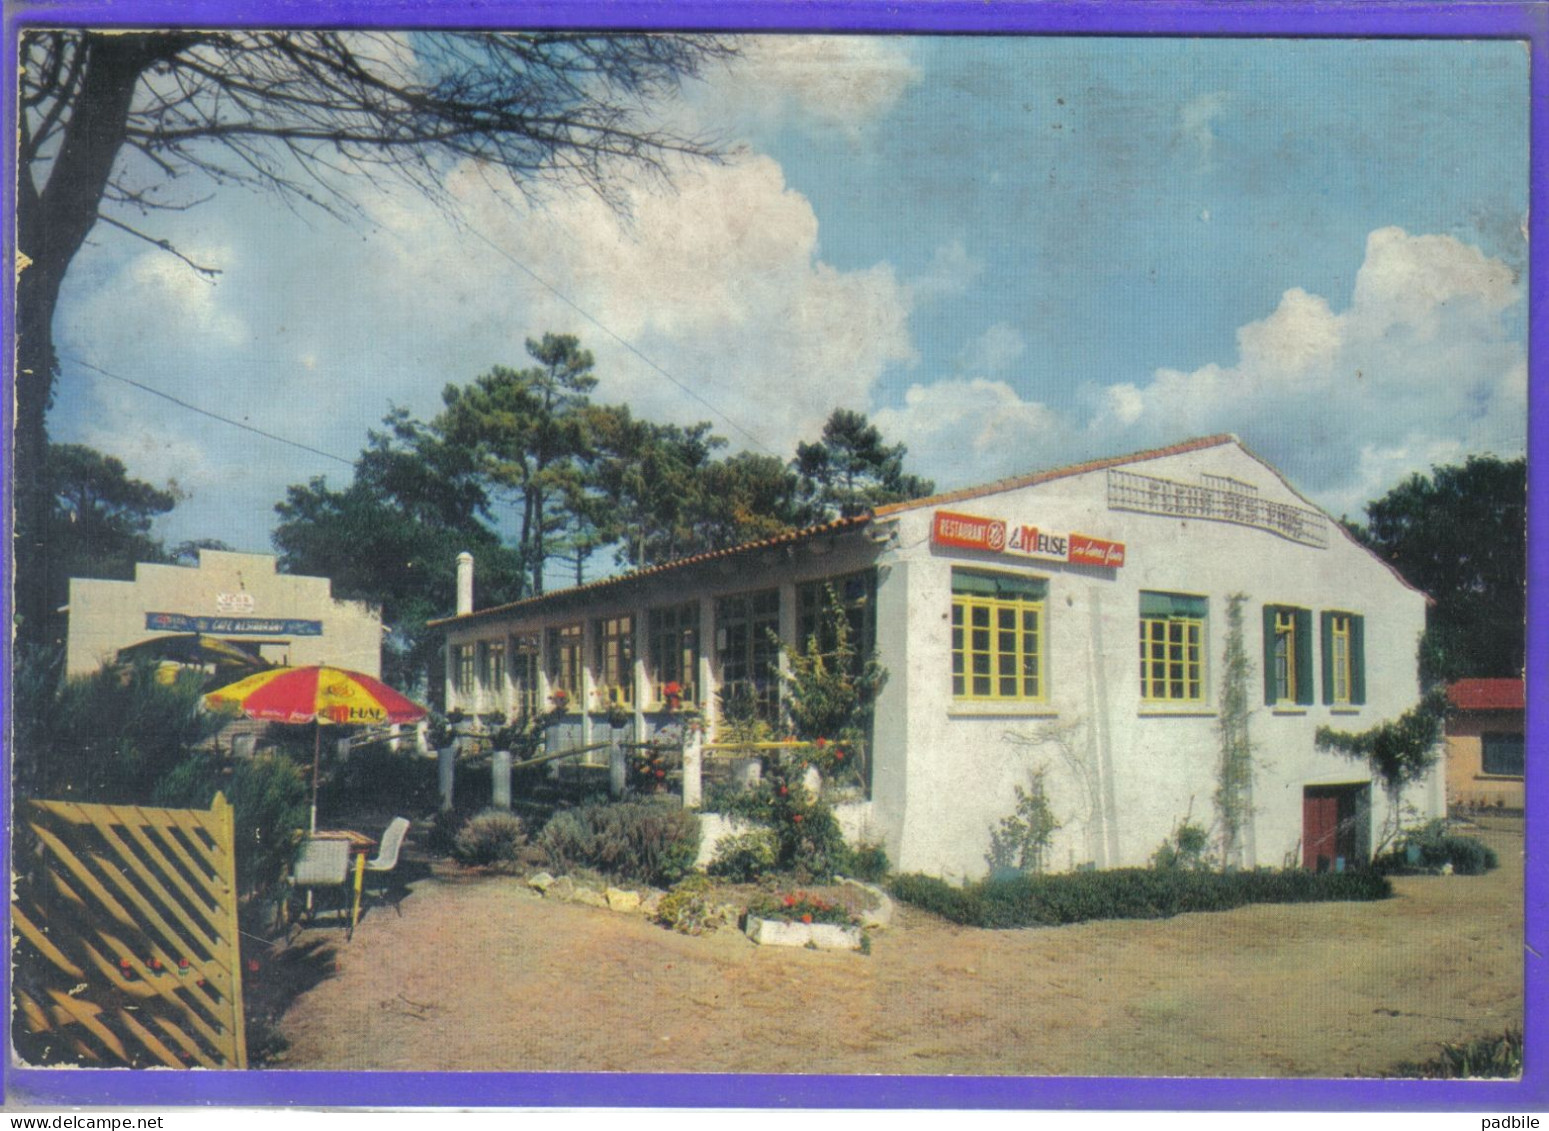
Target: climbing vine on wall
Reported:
[(1234, 774)]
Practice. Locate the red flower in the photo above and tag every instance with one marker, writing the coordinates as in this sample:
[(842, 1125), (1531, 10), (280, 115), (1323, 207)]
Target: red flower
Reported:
[(806, 918), (822, 742), (783, 791), (790, 901), (252, 965), (661, 773), (796, 816)]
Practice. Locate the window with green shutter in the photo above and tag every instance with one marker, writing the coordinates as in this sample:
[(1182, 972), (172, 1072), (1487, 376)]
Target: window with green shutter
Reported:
[(1344, 659), (1287, 656)]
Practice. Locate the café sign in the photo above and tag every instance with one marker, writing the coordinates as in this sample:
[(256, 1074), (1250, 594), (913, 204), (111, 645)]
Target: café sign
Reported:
[(970, 532), (233, 626)]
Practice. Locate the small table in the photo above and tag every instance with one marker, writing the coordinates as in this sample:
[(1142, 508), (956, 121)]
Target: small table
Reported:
[(359, 847)]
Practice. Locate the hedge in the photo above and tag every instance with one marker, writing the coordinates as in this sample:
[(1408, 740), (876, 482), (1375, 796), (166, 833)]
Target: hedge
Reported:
[(1128, 893)]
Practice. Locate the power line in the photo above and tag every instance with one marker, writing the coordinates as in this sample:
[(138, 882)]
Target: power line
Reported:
[(205, 412), (573, 305)]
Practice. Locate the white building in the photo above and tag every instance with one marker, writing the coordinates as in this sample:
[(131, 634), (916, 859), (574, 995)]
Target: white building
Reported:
[(1072, 621), (241, 598)]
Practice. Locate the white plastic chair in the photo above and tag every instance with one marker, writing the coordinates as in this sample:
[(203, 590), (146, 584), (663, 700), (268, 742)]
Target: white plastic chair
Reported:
[(322, 862), (386, 858)]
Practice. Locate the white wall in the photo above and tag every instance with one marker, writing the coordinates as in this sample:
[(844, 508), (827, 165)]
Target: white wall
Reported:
[(1120, 776), (108, 615)]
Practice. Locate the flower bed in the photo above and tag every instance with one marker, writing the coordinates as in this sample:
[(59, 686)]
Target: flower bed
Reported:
[(804, 919)]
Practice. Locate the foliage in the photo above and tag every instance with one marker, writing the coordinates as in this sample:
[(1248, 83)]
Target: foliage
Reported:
[(1494, 1057), (113, 124), (389, 536), (1184, 849), (379, 776), (493, 837), (527, 433), (737, 719), (1400, 752), (688, 908), (648, 767), (110, 736), (868, 861), (1234, 773), (808, 841), (744, 857), (444, 828), (799, 907), (268, 795), (646, 841), (829, 691), (850, 470), (1460, 534), (1019, 842), (1130, 893), (1432, 847), (99, 521)]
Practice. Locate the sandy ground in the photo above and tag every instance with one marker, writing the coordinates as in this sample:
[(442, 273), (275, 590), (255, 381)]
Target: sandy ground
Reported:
[(481, 973)]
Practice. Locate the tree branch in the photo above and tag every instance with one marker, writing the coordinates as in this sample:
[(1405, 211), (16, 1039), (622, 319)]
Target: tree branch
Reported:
[(165, 245)]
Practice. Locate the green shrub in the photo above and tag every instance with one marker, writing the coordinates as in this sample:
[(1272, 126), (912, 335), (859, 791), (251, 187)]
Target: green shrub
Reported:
[(269, 800), (1184, 849), (493, 837), (744, 857), (868, 862), (112, 736), (442, 837), (1432, 847), (1495, 1057), (650, 842), (1129, 893), (687, 908)]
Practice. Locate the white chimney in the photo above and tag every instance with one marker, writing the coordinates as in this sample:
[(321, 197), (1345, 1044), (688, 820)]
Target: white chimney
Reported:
[(464, 583)]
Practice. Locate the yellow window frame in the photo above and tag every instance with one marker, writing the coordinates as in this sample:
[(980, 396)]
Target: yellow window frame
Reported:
[(1340, 630), (1285, 655), (1172, 659), (1012, 654)]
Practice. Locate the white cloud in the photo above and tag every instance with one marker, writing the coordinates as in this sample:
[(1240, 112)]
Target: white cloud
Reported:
[(1418, 367), (995, 350), (718, 280), (1196, 119), (968, 430), (839, 81), (951, 272)]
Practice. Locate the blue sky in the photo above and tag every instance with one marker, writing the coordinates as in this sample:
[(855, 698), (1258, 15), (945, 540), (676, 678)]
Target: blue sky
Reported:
[(1012, 252)]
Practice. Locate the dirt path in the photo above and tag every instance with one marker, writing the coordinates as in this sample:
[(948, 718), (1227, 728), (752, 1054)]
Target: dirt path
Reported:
[(480, 973)]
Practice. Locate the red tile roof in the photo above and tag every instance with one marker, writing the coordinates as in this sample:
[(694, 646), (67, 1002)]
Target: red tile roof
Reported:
[(1486, 694), (837, 526)]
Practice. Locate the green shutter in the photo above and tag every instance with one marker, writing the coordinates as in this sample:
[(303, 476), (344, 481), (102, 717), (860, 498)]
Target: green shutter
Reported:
[(1304, 656), (1001, 586), (1327, 637), (1357, 659), (1269, 655)]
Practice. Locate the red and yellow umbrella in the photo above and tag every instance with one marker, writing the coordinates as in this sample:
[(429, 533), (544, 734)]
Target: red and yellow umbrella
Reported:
[(315, 694)]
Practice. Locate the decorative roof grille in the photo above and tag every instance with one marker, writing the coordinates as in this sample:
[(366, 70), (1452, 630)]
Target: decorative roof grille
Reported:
[(1235, 502)]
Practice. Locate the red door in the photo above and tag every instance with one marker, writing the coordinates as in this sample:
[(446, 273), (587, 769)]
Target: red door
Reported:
[(1320, 829)]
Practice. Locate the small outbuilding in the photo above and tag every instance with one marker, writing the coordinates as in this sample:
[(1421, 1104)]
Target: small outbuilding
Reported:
[(231, 605), (1071, 628), (1486, 752)]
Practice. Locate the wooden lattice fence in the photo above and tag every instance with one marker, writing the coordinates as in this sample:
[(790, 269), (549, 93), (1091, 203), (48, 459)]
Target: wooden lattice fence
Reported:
[(125, 941)]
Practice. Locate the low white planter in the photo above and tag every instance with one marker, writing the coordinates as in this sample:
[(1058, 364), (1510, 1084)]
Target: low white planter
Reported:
[(821, 936)]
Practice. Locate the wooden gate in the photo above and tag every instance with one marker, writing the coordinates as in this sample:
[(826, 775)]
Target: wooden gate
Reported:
[(126, 944)]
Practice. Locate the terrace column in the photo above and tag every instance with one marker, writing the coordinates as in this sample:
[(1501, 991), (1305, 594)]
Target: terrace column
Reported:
[(693, 759)]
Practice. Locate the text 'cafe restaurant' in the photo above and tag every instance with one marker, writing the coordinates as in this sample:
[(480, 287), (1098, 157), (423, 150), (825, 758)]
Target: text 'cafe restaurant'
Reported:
[(1068, 625)]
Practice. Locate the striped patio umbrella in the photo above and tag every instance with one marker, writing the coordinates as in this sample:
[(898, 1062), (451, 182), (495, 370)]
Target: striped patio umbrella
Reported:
[(315, 694)]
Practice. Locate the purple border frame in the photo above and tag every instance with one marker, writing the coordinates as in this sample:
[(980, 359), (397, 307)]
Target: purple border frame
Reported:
[(1526, 20)]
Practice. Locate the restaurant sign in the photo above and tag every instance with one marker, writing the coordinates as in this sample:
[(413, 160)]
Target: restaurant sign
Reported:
[(970, 532), (233, 626)]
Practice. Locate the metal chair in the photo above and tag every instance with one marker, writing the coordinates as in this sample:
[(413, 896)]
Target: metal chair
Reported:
[(386, 858)]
